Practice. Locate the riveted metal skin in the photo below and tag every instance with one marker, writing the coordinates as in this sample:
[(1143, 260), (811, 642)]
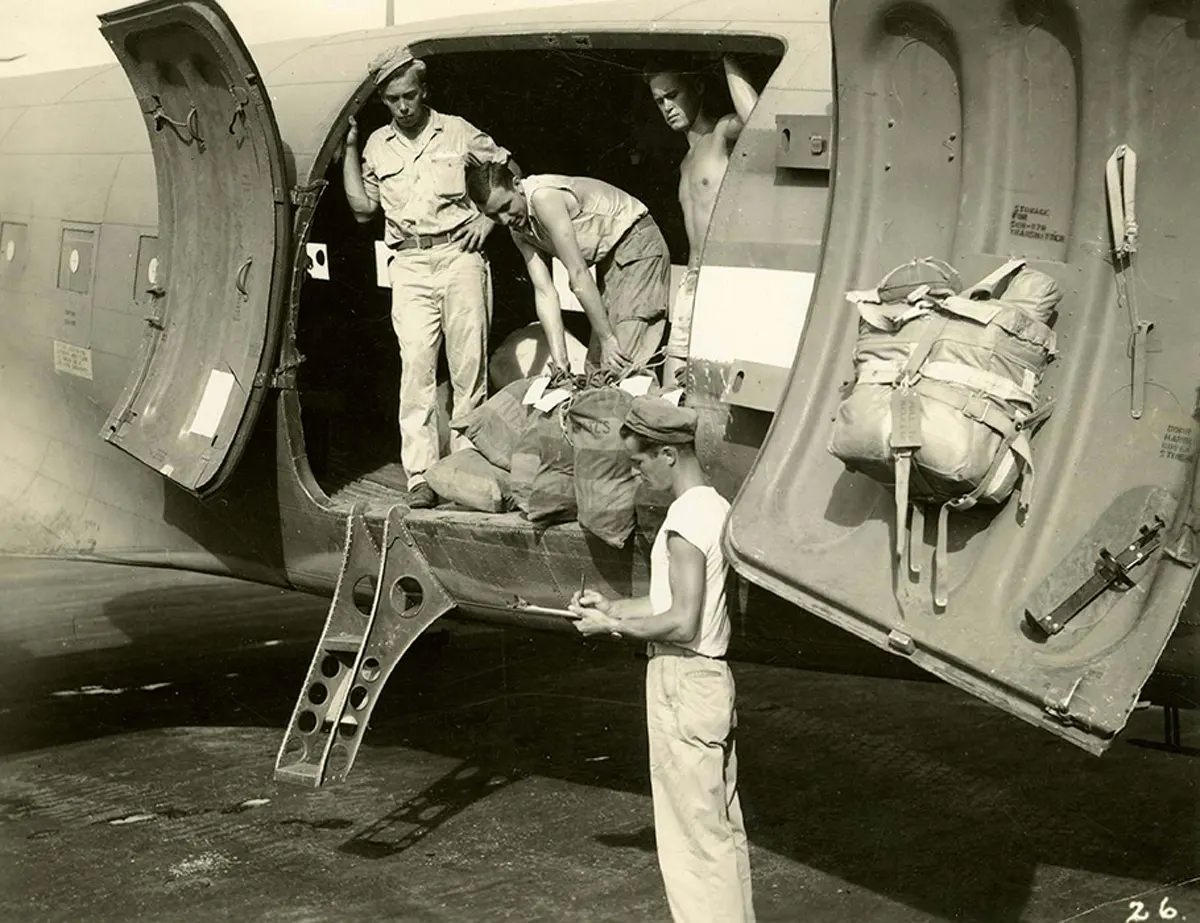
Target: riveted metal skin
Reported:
[(385, 597)]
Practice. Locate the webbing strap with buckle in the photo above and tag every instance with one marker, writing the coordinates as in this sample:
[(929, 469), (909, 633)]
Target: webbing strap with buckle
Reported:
[(1018, 443), (1120, 180)]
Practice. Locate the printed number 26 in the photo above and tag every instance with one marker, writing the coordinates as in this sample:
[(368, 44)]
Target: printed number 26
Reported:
[(1140, 913)]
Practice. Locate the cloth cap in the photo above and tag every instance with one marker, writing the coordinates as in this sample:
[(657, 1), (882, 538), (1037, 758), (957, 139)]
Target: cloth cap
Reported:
[(661, 421), (384, 65)]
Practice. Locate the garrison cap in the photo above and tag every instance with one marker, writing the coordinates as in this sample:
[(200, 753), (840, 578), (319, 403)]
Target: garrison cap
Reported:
[(388, 62), (661, 421)]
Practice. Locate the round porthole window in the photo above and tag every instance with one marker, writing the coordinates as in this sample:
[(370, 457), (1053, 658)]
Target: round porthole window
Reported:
[(152, 271), (73, 262), (10, 251)]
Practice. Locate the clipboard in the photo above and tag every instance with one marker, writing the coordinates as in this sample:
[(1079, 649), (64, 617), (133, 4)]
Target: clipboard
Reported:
[(547, 610)]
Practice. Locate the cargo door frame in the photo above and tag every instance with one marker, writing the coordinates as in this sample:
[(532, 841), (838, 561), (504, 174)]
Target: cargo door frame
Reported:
[(188, 408)]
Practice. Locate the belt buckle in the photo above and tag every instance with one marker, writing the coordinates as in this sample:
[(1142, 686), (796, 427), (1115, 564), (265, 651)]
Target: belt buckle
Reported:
[(422, 241), (975, 407)]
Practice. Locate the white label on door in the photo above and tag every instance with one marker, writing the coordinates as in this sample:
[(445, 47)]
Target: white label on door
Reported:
[(72, 360), (212, 404)]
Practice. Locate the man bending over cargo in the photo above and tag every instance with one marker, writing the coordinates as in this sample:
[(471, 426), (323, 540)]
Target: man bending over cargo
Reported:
[(584, 222), (680, 98), (690, 714)]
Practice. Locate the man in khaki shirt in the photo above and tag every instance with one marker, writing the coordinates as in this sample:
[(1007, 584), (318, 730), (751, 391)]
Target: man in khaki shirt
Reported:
[(413, 168)]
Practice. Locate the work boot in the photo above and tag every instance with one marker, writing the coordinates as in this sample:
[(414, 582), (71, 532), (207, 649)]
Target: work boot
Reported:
[(422, 497)]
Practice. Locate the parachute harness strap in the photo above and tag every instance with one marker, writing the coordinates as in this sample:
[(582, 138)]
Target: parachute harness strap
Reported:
[(1120, 180)]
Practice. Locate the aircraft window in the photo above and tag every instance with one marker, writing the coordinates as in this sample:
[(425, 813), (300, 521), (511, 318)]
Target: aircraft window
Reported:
[(147, 275), (12, 249), (75, 259)]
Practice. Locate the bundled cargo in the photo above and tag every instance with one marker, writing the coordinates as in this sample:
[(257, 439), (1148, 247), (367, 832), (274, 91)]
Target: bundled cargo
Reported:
[(543, 470), (945, 395), (496, 426), (605, 485), (470, 480)]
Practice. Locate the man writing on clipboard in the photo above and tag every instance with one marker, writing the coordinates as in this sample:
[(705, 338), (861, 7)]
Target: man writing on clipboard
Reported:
[(690, 716)]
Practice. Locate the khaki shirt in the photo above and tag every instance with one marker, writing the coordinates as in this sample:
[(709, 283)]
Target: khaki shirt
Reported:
[(420, 183)]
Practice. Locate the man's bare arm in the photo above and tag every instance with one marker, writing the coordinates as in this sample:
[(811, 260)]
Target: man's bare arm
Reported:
[(360, 202), (634, 618), (680, 623), (550, 206), (545, 302), (744, 96)]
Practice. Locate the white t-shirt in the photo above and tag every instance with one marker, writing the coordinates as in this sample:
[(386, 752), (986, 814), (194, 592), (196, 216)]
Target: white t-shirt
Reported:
[(697, 516)]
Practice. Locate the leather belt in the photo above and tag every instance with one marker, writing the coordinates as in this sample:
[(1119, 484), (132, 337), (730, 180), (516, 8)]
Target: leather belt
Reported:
[(661, 649), (420, 242)]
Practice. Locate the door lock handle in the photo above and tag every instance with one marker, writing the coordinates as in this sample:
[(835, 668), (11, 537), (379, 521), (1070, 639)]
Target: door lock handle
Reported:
[(240, 281)]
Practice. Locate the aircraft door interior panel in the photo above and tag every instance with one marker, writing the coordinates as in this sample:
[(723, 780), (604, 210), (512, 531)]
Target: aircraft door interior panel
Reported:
[(972, 133), (189, 406)]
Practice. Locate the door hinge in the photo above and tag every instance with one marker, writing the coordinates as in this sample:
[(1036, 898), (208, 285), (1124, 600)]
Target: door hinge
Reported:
[(282, 378), (157, 308), (1059, 709), (307, 196)]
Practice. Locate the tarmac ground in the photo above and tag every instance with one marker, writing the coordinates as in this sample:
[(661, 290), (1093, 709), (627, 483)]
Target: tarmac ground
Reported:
[(504, 778)]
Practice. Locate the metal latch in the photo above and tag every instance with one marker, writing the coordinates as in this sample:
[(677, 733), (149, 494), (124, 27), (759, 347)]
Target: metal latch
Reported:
[(901, 642), (1060, 709), (755, 385), (804, 142), (1111, 572)]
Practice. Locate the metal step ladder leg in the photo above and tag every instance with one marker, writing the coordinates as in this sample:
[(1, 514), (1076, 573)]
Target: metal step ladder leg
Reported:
[(385, 597)]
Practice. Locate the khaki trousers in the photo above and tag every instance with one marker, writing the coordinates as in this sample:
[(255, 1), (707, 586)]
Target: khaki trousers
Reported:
[(633, 280), (698, 824), (441, 291)]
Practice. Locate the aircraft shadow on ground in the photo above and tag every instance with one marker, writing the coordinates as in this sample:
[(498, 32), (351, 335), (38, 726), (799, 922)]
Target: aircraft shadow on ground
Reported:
[(911, 790)]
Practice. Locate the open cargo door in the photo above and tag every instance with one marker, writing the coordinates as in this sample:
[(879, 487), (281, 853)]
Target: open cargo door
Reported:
[(971, 132), (190, 404)]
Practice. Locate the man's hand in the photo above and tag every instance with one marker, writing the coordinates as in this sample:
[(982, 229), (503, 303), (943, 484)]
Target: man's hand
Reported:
[(351, 142), (594, 618), (593, 611), (472, 235), (611, 356), (590, 599)]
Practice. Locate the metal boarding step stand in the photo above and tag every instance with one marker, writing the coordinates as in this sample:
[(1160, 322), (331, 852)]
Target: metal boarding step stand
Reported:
[(386, 596)]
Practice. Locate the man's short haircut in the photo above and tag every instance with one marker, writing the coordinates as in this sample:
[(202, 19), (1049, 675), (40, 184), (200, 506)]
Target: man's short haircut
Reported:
[(692, 78), (484, 178)]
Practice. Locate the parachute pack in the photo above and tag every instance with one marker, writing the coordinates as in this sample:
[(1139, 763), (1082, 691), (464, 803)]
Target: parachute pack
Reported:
[(945, 396)]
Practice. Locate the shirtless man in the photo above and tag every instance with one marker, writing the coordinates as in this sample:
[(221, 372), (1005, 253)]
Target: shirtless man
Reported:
[(680, 98)]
